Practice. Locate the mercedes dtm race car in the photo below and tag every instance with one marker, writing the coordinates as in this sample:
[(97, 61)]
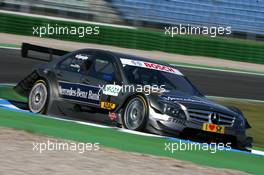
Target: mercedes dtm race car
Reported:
[(131, 92)]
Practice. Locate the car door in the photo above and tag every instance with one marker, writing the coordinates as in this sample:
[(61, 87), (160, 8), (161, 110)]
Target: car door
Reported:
[(68, 73), (103, 71)]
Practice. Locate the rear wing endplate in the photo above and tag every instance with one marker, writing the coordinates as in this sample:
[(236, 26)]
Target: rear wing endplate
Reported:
[(26, 47)]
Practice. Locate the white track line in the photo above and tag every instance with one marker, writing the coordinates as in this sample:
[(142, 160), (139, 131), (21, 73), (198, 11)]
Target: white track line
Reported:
[(140, 133), (7, 47), (7, 84), (236, 99), (257, 152), (218, 69), (78, 122)]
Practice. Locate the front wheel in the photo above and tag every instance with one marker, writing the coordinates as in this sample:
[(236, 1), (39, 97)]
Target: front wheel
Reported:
[(38, 97), (135, 114)]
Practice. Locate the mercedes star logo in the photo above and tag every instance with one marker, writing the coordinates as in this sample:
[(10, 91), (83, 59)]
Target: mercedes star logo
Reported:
[(214, 118)]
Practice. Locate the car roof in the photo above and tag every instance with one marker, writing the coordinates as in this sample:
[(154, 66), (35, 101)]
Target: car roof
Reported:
[(128, 56)]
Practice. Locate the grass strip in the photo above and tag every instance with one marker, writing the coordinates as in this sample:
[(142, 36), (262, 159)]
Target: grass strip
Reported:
[(253, 111), (7, 92), (127, 142)]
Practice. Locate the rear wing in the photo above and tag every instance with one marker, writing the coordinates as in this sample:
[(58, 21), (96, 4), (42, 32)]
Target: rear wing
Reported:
[(26, 47)]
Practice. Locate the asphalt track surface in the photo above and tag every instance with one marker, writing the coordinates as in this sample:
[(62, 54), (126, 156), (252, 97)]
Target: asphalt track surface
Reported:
[(13, 68)]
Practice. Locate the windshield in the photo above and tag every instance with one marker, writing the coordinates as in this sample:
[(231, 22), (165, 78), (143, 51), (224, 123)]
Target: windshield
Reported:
[(169, 81)]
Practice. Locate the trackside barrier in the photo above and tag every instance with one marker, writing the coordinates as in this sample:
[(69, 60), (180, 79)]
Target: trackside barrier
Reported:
[(231, 49)]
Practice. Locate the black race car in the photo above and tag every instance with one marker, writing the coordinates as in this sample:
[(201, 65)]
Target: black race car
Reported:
[(131, 92)]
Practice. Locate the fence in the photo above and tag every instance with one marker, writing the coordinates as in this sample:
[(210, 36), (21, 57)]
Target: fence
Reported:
[(233, 49)]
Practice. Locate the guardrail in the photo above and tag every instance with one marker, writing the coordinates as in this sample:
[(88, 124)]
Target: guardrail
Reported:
[(225, 48)]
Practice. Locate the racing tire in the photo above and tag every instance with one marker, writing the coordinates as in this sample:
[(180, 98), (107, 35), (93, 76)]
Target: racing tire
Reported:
[(38, 97), (135, 113)]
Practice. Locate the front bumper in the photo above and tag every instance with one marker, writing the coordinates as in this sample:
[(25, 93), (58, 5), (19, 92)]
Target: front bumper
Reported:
[(163, 124)]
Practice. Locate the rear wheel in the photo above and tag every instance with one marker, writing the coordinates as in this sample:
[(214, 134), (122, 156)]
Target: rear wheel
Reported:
[(135, 113), (38, 97)]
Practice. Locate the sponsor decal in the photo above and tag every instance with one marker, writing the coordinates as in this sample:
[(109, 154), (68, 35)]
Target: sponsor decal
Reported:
[(160, 67), (76, 66), (112, 116), (213, 128), (112, 90), (174, 99), (93, 96), (81, 57), (107, 105), (79, 92), (150, 65)]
